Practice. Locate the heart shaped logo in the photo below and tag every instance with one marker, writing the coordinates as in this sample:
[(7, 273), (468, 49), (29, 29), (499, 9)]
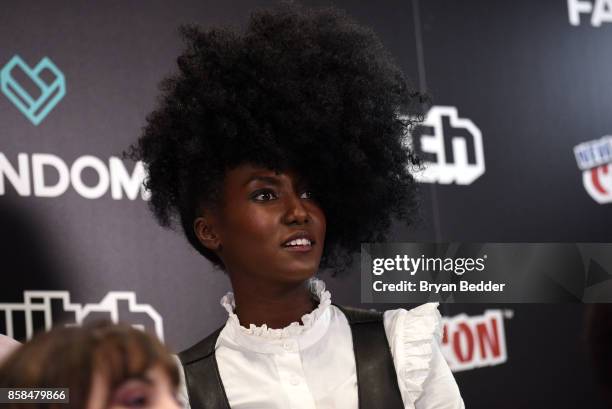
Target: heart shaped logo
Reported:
[(50, 91)]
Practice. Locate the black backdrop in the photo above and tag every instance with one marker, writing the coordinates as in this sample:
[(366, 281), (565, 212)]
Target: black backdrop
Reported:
[(532, 83)]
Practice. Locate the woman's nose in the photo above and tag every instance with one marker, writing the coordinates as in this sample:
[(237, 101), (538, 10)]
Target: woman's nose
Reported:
[(295, 211)]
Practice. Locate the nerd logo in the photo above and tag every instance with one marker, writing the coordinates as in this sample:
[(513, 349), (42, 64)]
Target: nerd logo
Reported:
[(594, 158), (450, 147)]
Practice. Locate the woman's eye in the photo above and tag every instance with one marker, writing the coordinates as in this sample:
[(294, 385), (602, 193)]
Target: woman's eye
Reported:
[(307, 194), (264, 196)]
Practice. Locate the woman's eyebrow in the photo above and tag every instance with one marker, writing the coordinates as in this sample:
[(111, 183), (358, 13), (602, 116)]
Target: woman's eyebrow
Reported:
[(268, 179)]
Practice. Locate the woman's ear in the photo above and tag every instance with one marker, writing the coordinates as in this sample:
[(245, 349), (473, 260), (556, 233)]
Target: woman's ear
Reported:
[(205, 232)]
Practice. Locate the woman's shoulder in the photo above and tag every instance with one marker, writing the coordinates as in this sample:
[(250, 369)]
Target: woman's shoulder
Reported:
[(414, 337), (422, 322), (416, 323)]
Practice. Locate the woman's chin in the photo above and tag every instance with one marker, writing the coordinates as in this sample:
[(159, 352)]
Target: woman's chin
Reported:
[(299, 273)]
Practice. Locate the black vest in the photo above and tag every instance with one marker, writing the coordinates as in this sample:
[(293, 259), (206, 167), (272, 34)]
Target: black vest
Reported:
[(376, 377)]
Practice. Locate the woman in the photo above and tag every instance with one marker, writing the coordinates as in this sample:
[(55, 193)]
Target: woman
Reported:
[(279, 150), (104, 366)]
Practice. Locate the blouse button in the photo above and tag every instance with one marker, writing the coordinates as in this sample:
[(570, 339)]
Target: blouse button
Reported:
[(294, 381), (287, 346)]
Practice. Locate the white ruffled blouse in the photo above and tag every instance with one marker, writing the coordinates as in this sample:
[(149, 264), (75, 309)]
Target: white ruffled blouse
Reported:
[(311, 365)]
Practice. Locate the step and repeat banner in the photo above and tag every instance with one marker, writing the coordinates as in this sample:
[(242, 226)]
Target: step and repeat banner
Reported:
[(517, 146)]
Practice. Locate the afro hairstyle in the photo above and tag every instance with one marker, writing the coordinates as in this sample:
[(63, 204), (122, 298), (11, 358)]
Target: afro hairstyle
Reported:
[(303, 89)]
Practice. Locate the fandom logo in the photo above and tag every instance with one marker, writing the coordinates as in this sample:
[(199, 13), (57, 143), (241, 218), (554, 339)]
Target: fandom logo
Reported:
[(594, 158), (474, 342), (600, 10), (17, 77), (41, 310), (450, 147), (46, 175)]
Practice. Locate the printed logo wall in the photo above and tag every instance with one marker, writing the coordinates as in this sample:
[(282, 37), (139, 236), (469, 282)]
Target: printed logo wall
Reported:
[(35, 92), (594, 157), (68, 109), (452, 145)]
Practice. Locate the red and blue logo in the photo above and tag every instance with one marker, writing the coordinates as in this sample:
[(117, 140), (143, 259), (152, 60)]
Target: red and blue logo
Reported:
[(594, 158)]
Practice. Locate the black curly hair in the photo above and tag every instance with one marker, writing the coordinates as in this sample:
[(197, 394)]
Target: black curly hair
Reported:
[(301, 89)]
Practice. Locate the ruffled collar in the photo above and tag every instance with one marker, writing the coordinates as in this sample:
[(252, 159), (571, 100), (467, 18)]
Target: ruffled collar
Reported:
[(295, 329)]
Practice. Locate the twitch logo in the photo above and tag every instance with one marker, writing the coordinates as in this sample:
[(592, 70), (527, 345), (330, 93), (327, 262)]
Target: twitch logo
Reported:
[(34, 91), (450, 147), (41, 310)]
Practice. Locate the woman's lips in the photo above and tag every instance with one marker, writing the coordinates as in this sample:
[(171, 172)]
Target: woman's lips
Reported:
[(299, 245), (299, 249)]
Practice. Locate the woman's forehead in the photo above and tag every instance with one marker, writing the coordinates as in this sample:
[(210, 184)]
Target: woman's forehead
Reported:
[(244, 174)]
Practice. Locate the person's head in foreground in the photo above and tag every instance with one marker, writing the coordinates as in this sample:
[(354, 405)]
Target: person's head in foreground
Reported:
[(104, 366), (278, 150), (7, 345)]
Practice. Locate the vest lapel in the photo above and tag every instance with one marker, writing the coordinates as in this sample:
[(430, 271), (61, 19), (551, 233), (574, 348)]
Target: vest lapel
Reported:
[(376, 376), (204, 386)]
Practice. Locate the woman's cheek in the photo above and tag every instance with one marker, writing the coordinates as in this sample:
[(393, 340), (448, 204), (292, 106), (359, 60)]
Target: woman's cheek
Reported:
[(260, 225)]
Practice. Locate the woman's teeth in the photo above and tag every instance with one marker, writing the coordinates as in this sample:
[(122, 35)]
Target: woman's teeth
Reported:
[(299, 242)]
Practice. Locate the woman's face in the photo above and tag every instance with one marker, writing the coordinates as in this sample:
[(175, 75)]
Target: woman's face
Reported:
[(269, 226), (153, 391)]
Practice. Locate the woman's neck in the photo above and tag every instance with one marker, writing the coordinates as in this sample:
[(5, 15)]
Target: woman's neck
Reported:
[(276, 305)]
